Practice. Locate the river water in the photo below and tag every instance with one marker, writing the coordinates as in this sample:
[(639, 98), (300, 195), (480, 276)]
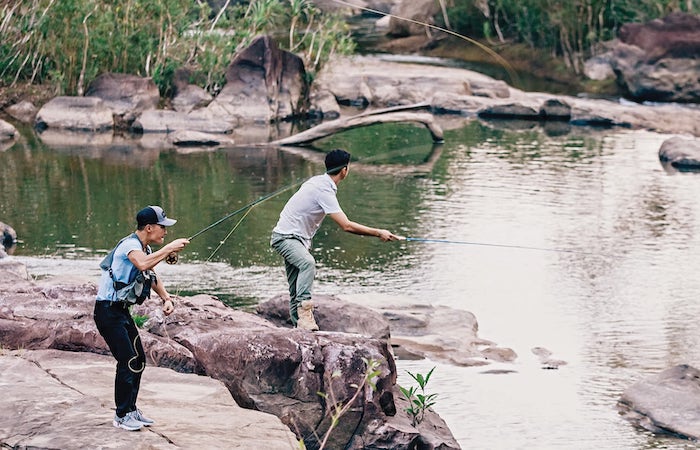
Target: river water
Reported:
[(618, 303)]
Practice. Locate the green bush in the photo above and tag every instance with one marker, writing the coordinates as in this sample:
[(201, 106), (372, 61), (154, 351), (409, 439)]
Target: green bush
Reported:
[(571, 29), (67, 43)]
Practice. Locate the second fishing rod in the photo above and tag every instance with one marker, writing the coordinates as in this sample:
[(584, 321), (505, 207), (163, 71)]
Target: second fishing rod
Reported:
[(172, 258)]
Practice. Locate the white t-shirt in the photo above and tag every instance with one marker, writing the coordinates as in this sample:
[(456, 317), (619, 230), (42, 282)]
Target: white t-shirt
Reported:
[(304, 212)]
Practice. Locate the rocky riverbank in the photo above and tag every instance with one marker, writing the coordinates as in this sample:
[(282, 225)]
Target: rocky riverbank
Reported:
[(265, 366)]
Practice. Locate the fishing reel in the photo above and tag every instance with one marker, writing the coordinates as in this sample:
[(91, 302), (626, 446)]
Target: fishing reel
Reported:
[(171, 258)]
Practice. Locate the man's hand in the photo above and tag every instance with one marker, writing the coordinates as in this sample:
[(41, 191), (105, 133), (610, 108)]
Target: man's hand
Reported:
[(168, 307), (177, 245), (386, 235)]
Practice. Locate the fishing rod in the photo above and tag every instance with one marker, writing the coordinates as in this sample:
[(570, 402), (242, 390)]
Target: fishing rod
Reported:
[(508, 68), (487, 244), (172, 258)]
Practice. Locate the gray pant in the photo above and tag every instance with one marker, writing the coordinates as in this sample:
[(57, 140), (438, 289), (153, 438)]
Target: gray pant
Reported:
[(301, 269)]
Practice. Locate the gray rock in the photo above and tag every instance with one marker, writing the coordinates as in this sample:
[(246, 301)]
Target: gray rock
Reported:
[(680, 153), (166, 121), (191, 97), (667, 402), (23, 111), (658, 60), (415, 331), (75, 113), (264, 367), (7, 131), (58, 399), (263, 83), (126, 95)]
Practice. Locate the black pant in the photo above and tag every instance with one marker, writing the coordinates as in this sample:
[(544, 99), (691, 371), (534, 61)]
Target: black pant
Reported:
[(116, 326)]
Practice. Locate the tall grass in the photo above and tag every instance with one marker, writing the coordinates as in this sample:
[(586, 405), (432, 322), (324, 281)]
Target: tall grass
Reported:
[(67, 43), (569, 29)]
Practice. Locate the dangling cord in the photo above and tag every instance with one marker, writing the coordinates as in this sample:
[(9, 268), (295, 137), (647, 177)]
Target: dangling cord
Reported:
[(143, 364)]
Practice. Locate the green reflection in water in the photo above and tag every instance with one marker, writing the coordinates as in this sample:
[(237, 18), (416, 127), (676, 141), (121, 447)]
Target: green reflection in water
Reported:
[(76, 201)]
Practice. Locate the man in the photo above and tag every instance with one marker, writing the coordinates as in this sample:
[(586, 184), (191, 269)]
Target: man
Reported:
[(297, 225), (131, 257)]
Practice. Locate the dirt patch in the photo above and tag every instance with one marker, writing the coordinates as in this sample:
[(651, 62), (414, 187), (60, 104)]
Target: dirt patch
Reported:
[(37, 94)]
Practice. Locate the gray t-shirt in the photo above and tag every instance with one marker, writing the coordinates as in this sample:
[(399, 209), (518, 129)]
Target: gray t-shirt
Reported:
[(304, 212)]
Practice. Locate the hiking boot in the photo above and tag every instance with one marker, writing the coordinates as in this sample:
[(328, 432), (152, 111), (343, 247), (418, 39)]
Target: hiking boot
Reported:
[(138, 415), (127, 422), (306, 316)]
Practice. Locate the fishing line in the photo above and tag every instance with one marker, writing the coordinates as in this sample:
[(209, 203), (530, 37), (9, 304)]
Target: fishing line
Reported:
[(486, 244), (511, 72), (230, 233), (173, 257)]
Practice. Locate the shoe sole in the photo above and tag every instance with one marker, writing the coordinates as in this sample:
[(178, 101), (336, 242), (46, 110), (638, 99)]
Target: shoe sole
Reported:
[(125, 427)]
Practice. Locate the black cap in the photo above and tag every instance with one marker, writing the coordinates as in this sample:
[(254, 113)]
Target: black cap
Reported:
[(153, 215)]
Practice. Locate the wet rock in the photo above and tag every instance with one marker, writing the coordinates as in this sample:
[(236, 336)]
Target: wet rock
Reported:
[(191, 97), (8, 135), (415, 331), (263, 83), (668, 402), (75, 113), (9, 240), (166, 121), (418, 12), (658, 60), (263, 366), (58, 399), (183, 138), (24, 111), (545, 358), (680, 153), (126, 95)]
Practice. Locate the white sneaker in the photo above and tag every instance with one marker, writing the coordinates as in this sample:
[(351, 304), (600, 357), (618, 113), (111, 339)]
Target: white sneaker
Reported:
[(127, 422), (138, 415)]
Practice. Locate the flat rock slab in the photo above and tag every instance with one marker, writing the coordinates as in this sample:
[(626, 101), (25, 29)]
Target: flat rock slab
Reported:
[(76, 407), (668, 402)]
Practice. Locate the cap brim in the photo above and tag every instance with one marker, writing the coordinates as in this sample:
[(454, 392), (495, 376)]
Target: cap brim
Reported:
[(167, 222)]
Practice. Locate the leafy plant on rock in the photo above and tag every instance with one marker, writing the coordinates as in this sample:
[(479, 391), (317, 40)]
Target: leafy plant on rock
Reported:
[(419, 401)]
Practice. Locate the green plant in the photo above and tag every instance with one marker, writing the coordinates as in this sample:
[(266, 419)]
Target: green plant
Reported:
[(419, 401), (140, 320), (67, 43), (338, 409)]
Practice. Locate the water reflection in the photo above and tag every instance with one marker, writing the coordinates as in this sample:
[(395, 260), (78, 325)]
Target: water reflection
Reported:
[(622, 308)]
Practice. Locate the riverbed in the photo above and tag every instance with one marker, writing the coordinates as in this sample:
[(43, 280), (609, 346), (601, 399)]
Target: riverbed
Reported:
[(579, 242)]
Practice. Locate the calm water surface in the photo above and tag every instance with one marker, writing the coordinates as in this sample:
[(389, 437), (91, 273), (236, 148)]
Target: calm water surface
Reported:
[(621, 306)]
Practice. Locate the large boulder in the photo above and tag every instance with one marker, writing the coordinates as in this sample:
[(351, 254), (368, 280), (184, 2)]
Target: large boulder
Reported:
[(264, 367), (263, 83), (167, 121), (7, 132), (659, 60), (668, 402), (8, 240), (126, 95), (75, 113), (680, 153), (24, 111), (59, 399), (418, 12), (414, 330)]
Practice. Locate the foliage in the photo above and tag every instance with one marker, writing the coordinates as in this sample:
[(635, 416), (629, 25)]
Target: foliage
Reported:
[(418, 399), (569, 29), (337, 409), (67, 43), (140, 320)]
